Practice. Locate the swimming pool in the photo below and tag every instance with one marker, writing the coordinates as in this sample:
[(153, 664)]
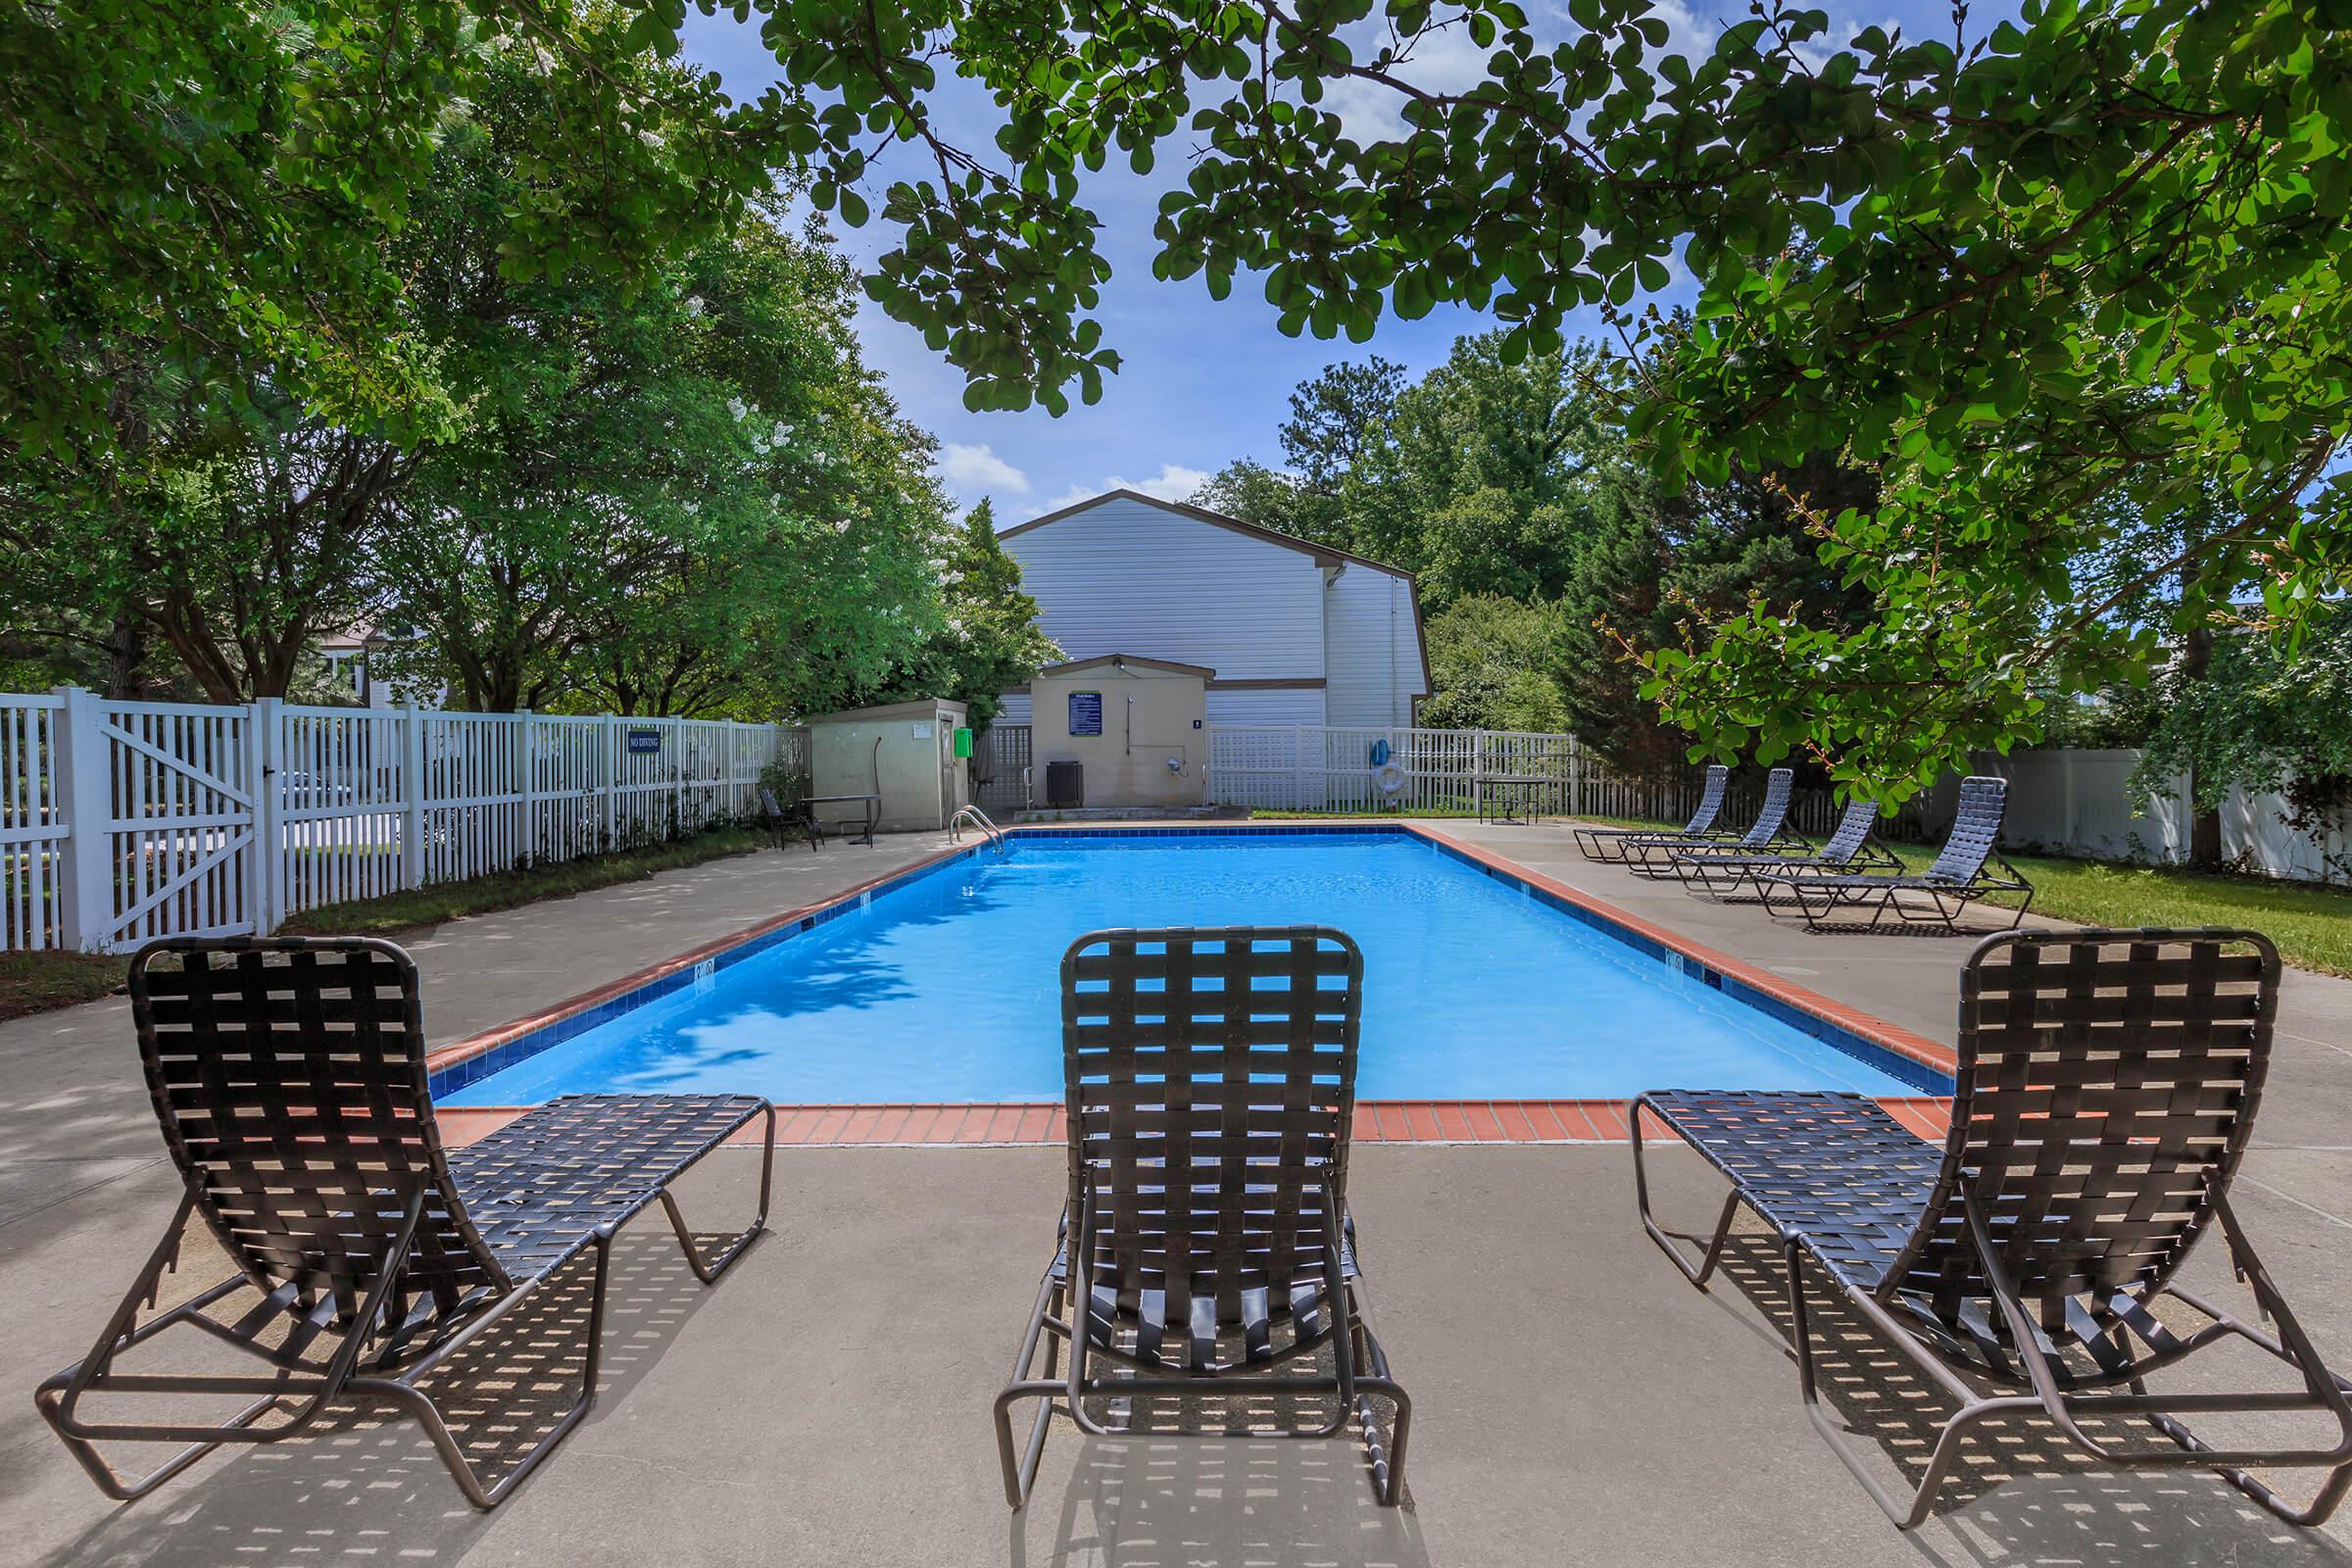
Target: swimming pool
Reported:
[(944, 987)]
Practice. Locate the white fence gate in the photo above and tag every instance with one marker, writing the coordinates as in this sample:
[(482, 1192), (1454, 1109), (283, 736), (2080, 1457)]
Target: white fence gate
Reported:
[(120, 822)]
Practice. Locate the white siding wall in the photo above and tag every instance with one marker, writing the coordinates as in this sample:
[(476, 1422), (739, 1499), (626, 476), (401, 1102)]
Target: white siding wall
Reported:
[(1282, 707), (1015, 709), (1371, 648), (1128, 577)]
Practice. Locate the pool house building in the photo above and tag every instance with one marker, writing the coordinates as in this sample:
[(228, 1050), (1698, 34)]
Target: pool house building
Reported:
[(1297, 632)]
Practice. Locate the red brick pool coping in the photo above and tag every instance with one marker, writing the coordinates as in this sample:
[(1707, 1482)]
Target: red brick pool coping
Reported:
[(1379, 1121), (1376, 1121)]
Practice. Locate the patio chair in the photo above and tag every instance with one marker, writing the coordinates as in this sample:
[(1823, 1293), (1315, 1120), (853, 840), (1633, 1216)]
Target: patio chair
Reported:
[(1233, 1053), (1606, 844), (1719, 870), (1654, 853), (784, 826), (289, 1078), (2106, 1088), (1957, 878)]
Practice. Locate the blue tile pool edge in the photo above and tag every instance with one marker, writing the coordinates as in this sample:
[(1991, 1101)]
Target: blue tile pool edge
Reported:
[(468, 1060)]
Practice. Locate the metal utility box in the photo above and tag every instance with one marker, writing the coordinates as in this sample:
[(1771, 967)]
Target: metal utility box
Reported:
[(1065, 785), (904, 753)]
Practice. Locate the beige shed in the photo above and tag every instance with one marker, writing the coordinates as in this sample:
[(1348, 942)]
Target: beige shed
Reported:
[(903, 752), (1133, 726)]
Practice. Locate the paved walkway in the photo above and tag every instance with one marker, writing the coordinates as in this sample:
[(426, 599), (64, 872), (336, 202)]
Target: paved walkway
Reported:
[(1577, 1402)]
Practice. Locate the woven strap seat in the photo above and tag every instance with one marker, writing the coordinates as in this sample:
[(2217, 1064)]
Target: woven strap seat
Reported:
[(2104, 1092), (1832, 1168), (289, 1079), (539, 1188), (1204, 1240)]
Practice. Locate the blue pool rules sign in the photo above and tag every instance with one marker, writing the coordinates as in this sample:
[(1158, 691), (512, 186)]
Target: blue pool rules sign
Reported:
[(1086, 712)]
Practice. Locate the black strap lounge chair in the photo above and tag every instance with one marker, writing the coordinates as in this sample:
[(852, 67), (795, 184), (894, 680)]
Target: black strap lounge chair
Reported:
[(1654, 854), (1937, 896), (289, 1077), (1607, 844), (1232, 1051), (2107, 1086), (1720, 869), (784, 826)]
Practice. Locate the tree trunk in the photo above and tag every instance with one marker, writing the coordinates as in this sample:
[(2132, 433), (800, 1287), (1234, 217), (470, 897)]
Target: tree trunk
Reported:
[(2204, 826)]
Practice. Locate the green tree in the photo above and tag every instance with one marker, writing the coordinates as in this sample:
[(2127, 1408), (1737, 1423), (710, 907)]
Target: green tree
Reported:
[(198, 190), (1496, 664), (987, 641), (2255, 717), (2097, 252), (680, 494)]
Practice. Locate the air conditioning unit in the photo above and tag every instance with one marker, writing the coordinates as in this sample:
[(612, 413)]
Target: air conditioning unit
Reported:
[(1066, 786)]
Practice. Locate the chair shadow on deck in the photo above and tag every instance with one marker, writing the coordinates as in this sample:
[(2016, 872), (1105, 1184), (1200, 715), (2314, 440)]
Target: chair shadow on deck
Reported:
[(2023, 1495), (1157, 1500), (364, 1480)]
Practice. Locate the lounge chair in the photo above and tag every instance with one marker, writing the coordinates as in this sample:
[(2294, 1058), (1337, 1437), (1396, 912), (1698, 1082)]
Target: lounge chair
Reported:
[(289, 1077), (1236, 1050), (1607, 844), (1720, 868), (2106, 1088), (1957, 878), (1654, 854)]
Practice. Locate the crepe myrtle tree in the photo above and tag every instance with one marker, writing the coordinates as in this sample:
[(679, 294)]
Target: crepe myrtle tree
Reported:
[(2030, 271)]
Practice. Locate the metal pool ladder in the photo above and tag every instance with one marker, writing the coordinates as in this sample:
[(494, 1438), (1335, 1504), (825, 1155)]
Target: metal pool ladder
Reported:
[(979, 819)]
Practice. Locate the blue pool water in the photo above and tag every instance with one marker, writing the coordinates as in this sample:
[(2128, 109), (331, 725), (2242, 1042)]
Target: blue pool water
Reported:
[(946, 987)]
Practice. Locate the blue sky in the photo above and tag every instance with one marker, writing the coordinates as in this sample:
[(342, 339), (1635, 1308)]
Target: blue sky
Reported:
[(1204, 381)]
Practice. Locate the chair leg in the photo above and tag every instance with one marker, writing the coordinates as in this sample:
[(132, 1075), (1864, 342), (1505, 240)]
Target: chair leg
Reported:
[(1696, 1273), (1905, 1514), (1021, 1468), (403, 1393), (709, 1272)]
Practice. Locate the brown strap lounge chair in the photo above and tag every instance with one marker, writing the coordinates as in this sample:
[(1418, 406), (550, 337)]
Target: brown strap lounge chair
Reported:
[(1655, 854), (1608, 844), (2106, 1088), (289, 1077), (1233, 1053), (1937, 896), (1720, 869)]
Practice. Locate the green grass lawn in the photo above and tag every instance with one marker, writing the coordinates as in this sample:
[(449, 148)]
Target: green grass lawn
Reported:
[(2312, 924), (35, 982), (507, 890)]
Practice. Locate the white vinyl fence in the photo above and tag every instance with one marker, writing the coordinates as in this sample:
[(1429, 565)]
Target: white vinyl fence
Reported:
[(124, 821), (2080, 803)]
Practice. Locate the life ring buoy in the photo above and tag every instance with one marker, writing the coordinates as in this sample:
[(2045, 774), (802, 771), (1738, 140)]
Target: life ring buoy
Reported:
[(1389, 778)]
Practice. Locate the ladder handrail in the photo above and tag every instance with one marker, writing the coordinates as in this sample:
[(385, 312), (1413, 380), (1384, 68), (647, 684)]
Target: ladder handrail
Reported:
[(979, 819)]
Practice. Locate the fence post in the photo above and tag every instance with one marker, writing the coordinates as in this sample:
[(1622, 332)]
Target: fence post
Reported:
[(526, 840), (84, 893), (677, 744), (412, 795), (1478, 772), (264, 730), (1576, 776), (1299, 767)]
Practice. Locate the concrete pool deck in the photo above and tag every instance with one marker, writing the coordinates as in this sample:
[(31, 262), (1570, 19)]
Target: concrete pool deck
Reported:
[(1576, 1402)]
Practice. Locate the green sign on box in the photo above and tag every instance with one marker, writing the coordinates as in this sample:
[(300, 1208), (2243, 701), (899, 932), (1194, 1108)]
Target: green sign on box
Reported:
[(963, 741)]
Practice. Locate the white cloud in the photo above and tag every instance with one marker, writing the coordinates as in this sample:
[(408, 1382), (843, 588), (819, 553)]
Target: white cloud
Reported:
[(970, 468), (1173, 482)]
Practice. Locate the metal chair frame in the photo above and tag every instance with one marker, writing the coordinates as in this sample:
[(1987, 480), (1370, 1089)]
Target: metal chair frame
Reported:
[(1099, 1140), (1606, 844), (1962, 1244), (382, 1346)]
